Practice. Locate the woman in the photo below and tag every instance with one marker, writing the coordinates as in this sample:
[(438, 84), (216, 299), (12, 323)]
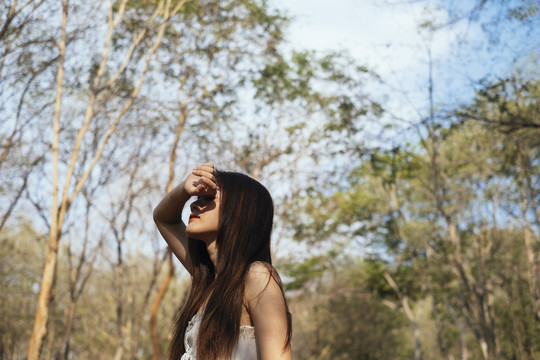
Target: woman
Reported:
[(236, 308)]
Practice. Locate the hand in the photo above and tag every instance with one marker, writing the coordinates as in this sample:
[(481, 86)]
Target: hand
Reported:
[(201, 181)]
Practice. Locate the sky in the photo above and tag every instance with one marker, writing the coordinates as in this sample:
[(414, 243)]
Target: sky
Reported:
[(385, 36), (365, 29), (387, 39)]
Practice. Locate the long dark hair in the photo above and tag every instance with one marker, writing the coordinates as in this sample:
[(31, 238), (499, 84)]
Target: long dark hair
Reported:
[(245, 223)]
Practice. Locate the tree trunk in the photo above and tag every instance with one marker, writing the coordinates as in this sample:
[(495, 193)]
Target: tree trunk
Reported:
[(475, 293), (47, 281), (410, 315), (68, 324), (532, 256), (155, 307), (156, 355)]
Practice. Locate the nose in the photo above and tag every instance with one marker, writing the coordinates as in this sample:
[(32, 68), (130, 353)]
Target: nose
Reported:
[(195, 206)]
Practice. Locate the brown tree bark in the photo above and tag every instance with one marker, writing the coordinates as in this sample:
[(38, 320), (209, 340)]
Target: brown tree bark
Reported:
[(156, 355), (410, 315), (45, 293)]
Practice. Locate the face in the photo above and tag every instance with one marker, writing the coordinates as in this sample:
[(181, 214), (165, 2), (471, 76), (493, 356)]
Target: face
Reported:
[(204, 218)]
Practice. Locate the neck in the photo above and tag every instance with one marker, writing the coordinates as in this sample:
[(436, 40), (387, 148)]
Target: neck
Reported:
[(212, 252)]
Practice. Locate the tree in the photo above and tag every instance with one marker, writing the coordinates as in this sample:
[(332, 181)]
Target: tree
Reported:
[(99, 85), (104, 92), (19, 277), (337, 316), (510, 106), (23, 72)]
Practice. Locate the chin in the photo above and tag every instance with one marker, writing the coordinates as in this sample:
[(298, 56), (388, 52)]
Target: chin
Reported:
[(199, 236), (191, 234)]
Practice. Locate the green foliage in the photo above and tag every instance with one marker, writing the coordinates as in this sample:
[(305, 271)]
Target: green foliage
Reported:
[(399, 200), (281, 80), (508, 105), (329, 84), (304, 271), (524, 11), (340, 319), (21, 255)]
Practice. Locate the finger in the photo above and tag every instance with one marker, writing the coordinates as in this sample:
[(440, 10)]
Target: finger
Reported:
[(207, 168), (204, 172), (201, 188), (209, 182)]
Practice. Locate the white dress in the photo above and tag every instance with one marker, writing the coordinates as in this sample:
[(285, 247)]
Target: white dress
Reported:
[(246, 349)]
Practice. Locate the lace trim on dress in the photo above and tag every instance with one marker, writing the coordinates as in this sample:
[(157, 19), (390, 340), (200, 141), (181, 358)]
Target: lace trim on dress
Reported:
[(247, 333)]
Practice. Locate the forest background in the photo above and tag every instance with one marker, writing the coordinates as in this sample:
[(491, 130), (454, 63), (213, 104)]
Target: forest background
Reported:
[(407, 201)]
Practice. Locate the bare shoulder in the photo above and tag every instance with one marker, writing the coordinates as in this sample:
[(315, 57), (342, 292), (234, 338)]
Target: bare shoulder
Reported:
[(267, 308), (262, 280)]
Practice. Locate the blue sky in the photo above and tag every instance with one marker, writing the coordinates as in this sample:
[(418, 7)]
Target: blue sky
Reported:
[(386, 37)]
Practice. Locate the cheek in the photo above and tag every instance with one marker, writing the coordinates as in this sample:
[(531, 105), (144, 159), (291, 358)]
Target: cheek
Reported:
[(215, 221)]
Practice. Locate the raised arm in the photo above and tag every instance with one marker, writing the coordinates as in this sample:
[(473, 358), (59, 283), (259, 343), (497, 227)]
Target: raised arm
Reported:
[(168, 213)]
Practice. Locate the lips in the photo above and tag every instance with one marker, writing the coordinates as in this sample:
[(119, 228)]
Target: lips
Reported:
[(193, 216)]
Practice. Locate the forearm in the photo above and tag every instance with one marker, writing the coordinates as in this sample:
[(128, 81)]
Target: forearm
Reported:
[(169, 209), (168, 218)]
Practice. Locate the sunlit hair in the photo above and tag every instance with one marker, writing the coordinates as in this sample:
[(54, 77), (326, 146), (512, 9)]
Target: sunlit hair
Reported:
[(245, 223)]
